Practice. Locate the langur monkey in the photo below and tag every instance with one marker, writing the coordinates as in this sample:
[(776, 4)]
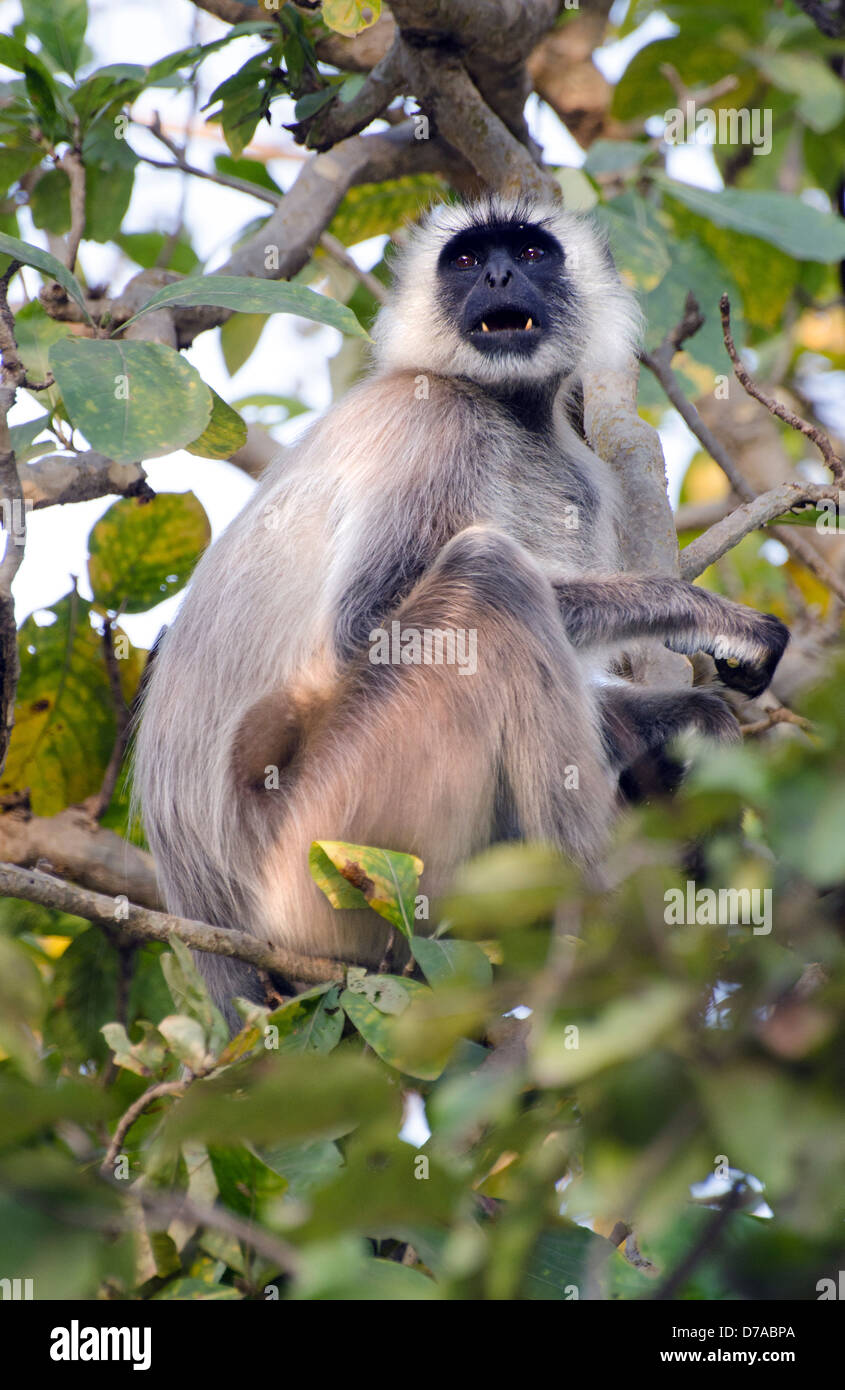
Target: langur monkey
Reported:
[(448, 493)]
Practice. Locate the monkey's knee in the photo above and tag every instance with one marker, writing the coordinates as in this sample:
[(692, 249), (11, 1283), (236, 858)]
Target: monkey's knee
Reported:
[(497, 572)]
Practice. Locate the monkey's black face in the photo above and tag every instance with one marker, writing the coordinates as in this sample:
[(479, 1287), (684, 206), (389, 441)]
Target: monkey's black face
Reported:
[(501, 284)]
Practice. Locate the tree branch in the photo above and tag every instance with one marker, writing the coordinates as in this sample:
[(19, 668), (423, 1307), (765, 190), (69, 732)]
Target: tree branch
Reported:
[(658, 363), (340, 119), (140, 924), (55, 479), (13, 517), (133, 1113), (72, 845), (71, 164), (744, 377), (632, 447), (728, 532)]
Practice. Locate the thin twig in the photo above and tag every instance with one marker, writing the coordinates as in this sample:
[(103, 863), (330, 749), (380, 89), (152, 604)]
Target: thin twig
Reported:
[(12, 513), (659, 363), (135, 1110), (71, 164), (166, 1208), (710, 1237), (789, 417), (339, 253), (779, 715)]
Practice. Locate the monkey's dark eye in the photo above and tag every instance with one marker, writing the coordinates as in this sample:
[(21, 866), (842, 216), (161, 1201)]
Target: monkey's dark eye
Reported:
[(466, 260), (532, 253)]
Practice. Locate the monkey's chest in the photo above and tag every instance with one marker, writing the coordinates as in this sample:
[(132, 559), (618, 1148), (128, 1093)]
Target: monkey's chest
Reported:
[(560, 519)]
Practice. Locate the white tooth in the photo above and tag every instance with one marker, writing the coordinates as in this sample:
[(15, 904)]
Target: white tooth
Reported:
[(529, 324), (484, 327)]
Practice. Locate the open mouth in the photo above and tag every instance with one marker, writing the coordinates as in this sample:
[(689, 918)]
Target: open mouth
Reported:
[(505, 321)]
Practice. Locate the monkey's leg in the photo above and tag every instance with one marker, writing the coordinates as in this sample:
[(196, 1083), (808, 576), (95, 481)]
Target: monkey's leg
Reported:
[(746, 645), (638, 723), (420, 757)]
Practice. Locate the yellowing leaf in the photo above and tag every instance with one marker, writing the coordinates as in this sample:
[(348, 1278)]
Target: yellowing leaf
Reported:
[(349, 17)]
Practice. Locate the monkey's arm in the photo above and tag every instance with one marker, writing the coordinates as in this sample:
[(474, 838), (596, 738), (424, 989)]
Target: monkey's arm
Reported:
[(746, 645)]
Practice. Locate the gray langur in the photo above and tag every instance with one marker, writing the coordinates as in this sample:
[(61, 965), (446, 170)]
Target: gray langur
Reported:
[(439, 495)]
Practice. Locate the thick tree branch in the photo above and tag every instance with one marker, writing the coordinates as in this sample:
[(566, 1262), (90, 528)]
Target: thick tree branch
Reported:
[(73, 846), (58, 478), (649, 544), (445, 89), (340, 119), (139, 924)]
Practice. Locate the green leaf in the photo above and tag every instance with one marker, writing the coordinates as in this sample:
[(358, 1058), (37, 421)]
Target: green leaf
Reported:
[(140, 555), (239, 337), (224, 434), (60, 27), (186, 1039), (49, 202), (144, 1058), (379, 1029), (639, 248), (313, 102), (197, 1291), (146, 249), (362, 876), (85, 997), (379, 209), (21, 436), (349, 17), (21, 1007), (64, 715), (252, 170), (42, 260), (244, 1180), (312, 1022), (14, 163), (190, 994), (821, 95), (131, 400), (786, 221), (270, 1098), (508, 886), (107, 196), (287, 406), (444, 961), (627, 1027), (563, 1259), (36, 333), (249, 295), (305, 1167), (615, 156)]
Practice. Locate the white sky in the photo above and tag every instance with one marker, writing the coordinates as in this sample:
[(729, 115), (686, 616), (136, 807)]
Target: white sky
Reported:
[(292, 357)]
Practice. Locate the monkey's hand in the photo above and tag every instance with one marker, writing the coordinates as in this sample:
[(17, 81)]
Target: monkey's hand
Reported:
[(746, 646), (748, 663)]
